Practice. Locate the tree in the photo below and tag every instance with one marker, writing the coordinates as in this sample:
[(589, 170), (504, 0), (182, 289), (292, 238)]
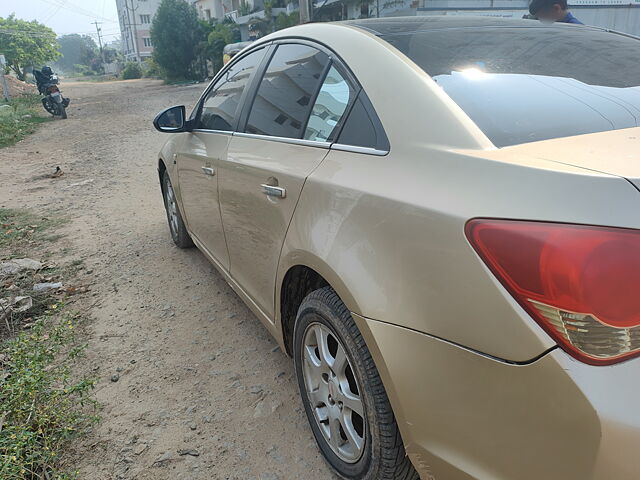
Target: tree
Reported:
[(176, 34), (111, 55), (285, 21), (132, 70), (77, 50), (25, 44), (221, 35)]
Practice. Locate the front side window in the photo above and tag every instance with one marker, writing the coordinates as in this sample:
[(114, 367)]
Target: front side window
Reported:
[(220, 106), (284, 98), (327, 112)]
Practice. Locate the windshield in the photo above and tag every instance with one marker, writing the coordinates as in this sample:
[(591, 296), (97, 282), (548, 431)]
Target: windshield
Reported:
[(522, 84)]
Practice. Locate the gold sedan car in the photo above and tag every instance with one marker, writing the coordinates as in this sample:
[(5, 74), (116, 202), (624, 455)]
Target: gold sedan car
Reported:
[(439, 220)]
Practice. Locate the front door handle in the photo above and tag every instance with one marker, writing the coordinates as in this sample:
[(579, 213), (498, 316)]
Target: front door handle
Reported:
[(209, 171), (272, 191)]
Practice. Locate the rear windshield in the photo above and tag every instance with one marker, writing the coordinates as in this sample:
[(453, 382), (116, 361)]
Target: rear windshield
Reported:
[(523, 84)]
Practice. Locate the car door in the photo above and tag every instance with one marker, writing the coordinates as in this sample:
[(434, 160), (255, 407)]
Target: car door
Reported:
[(205, 148), (287, 134)]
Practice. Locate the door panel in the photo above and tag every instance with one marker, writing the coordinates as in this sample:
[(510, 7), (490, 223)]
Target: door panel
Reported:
[(254, 217), (198, 164), (206, 147)]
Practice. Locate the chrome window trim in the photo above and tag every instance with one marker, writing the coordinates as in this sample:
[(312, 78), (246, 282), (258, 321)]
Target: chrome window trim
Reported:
[(294, 141), (204, 130), (354, 149)]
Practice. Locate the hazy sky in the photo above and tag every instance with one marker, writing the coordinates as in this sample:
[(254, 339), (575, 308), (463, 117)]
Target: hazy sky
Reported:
[(67, 16)]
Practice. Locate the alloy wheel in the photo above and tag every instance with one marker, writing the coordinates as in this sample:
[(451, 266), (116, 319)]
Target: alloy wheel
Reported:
[(172, 209), (334, 393)]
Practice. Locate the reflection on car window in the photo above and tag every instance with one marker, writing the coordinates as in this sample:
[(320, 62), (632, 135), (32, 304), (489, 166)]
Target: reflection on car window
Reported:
[(329, 107), (220, 107), (170, 119), (284, 98), (527, 84)]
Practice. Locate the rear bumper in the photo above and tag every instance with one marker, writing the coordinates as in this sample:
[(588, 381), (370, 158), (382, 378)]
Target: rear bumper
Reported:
[(464, 416)]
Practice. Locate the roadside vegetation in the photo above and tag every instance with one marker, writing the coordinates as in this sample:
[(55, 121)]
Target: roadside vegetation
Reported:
[(198, 53), (43, 401), (25, 44), (19, 117)]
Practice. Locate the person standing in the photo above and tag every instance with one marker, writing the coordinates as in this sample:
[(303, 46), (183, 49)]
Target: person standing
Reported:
[(552, 11)]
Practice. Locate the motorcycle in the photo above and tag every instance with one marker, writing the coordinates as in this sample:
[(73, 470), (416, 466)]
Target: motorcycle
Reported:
[(53, 102)]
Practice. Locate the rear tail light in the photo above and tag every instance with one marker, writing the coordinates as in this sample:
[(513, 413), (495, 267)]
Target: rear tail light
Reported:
[(580, 283)]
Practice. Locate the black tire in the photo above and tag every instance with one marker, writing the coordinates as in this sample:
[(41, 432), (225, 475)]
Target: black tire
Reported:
[(383, 456), (48, 105), (62, 111), (177, 228)]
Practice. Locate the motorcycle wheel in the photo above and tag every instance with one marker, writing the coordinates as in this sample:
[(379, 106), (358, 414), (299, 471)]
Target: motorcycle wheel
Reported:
[(49, 106), (62, 111)]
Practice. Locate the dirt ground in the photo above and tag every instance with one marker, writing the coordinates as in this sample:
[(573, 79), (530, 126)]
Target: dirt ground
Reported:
[(16, 87), (183, 365)]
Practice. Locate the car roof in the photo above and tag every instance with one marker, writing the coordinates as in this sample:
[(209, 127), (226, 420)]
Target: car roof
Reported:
[(403, 25)]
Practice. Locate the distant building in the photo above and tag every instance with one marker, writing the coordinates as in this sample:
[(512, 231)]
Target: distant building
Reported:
[(135, 24), (215, 9), (136, 15), (220, 9), (620, 15)]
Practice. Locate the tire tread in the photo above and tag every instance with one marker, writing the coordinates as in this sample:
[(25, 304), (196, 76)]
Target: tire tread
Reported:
[(394, 463)]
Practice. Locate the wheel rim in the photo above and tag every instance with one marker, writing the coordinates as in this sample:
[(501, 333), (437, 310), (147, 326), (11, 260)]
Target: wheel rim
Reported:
[(333, 391), (48, 106), (172, 208)]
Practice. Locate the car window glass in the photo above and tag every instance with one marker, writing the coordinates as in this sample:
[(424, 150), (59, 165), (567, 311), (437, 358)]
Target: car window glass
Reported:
[(220, 107), (285, 95), (363, 128), (529, 84), (330, 105)]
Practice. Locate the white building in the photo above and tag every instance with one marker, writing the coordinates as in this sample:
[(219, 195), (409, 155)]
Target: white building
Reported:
[(135, 24), (219, 9), (620, 15)]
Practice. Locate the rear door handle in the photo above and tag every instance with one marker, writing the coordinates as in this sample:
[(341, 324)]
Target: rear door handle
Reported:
[(272, 191), (209, 171)]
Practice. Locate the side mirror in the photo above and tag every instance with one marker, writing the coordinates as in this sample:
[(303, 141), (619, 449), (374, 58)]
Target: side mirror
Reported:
[(172, 120)]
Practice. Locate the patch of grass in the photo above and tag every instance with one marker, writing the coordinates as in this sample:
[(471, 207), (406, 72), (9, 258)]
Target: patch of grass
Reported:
[(42, 406), (19, 117), (19, 228), (44, 403)]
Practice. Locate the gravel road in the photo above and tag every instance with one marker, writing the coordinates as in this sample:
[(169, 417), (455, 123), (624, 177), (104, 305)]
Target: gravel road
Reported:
[(192, 386)]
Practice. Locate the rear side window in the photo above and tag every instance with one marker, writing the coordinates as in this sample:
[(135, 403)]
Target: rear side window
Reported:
[(334, 97), (363, 128), (220, 106), (285, 95)]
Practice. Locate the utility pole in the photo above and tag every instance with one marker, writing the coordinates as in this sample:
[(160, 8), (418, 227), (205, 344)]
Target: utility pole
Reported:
[(98, 30), (306, 8), (135, 29)]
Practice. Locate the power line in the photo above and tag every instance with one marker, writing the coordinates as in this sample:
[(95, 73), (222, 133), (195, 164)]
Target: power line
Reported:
[(55, 12), (76, 9), (30, 33)]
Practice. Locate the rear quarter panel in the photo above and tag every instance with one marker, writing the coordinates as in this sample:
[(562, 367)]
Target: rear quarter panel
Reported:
[(390, 229)]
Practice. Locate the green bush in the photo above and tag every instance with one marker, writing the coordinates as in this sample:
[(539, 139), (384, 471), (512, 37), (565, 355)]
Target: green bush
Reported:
[(131, 70), (19, 117), (151, 68)]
